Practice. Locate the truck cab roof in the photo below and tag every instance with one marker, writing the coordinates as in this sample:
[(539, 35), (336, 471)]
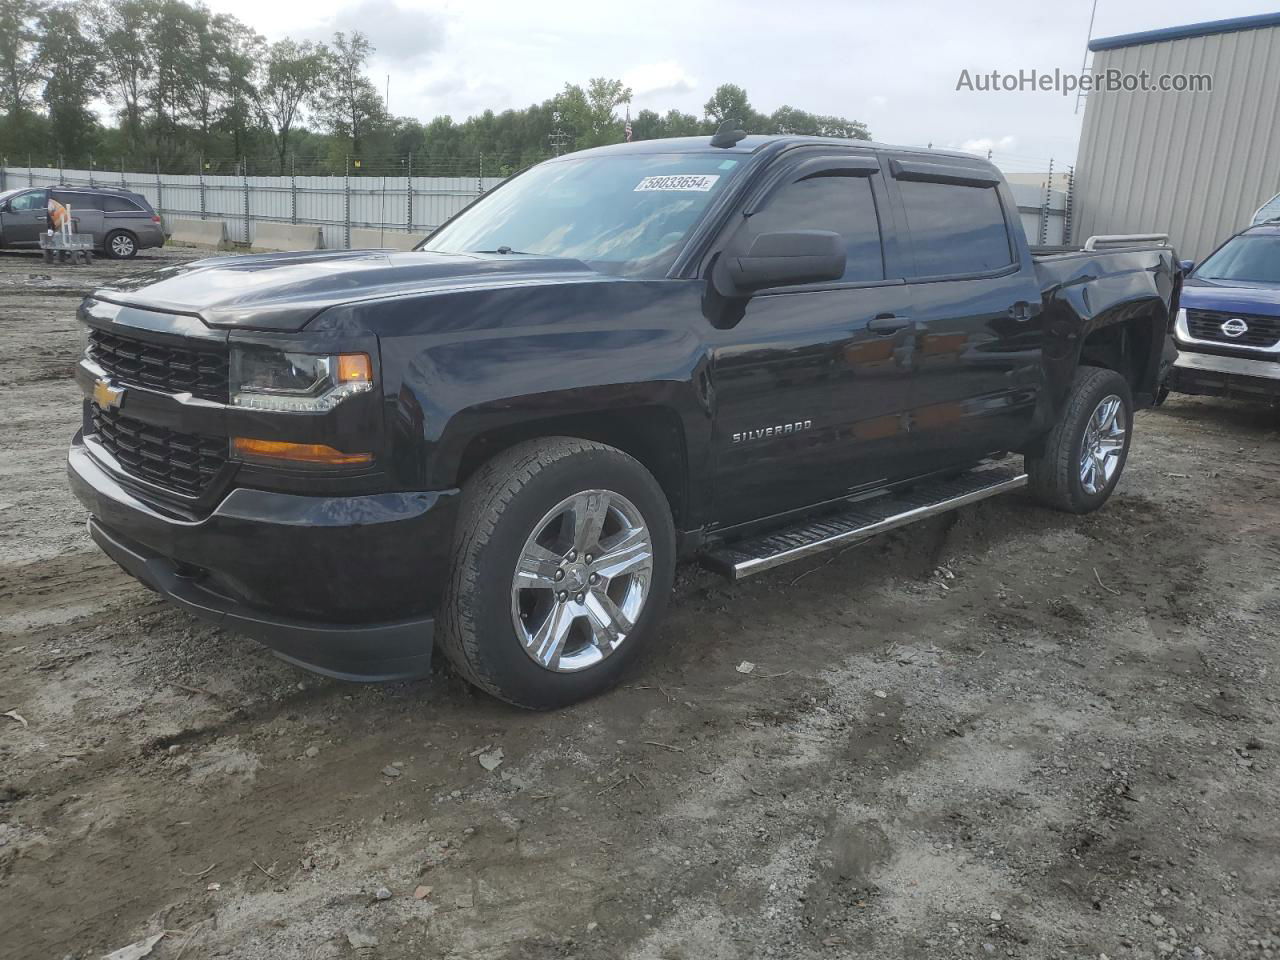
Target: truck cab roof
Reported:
[(763, 143)]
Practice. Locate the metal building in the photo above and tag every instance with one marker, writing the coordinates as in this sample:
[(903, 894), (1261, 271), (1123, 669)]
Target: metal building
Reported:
[(1195, 165)]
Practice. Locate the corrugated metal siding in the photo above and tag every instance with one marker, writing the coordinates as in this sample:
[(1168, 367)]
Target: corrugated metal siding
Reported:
[(1193, 165)]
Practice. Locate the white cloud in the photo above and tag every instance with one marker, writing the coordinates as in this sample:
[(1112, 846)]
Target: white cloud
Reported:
[(400, 36), (510, 53), (651, 79), (988, 144)]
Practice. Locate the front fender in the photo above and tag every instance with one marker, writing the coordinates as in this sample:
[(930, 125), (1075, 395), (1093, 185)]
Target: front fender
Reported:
[(470, 364)]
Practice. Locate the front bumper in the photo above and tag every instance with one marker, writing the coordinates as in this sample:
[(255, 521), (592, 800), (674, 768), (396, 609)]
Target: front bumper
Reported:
[(343, 586), (1208, 374)]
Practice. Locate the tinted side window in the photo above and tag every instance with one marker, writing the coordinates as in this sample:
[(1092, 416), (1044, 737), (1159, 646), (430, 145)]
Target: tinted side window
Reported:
[(78, 201), (110, 203), (844, 205), (955, 228)]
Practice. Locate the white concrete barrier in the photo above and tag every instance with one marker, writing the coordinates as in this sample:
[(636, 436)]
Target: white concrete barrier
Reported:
[(197, 233), (285, 236), (371, 238)]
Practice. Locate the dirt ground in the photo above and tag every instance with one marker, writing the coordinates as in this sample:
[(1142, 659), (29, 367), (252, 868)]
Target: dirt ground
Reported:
[(1007, 732)]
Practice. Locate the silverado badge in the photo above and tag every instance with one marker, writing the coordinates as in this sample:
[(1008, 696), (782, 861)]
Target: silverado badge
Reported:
[(764, 433), (106, 396)]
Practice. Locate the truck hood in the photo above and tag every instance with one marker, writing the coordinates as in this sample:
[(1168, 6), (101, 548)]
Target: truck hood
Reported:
[(284, 291), (1231, 296)]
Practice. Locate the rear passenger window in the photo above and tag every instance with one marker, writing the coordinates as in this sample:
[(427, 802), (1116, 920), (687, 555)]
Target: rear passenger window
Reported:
[(843, 205), (955, 228), (118, 204), (77, 201)]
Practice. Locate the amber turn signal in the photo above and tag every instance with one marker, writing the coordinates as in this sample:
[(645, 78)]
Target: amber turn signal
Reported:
[(248, 448), (354, 368)]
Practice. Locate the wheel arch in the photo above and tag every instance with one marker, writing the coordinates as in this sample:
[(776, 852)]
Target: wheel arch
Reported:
[(653, 435), (1129, 340)]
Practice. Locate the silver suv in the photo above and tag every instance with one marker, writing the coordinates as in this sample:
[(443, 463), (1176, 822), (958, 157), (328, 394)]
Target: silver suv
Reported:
[(122, 222)]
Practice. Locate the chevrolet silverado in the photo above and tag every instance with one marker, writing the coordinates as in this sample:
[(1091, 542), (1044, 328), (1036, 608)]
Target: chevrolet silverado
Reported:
[(741, 350)]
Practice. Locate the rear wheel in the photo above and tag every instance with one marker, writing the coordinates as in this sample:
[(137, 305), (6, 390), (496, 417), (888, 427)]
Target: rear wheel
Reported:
[(121, 245), (563, 562), (1085, 453)]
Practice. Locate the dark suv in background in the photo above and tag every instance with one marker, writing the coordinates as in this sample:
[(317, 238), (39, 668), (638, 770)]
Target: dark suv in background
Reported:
[(122, 222)]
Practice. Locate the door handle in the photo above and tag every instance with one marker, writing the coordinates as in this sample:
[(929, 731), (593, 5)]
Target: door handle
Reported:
[(887, 323)]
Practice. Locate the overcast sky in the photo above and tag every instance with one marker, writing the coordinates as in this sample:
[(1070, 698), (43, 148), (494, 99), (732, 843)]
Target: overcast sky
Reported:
[(892, 65)]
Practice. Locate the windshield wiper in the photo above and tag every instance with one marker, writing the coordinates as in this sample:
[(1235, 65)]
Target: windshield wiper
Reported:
[(504, 250)]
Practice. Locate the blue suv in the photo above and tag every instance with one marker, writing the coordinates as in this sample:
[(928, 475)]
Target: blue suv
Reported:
[(1228, 327)]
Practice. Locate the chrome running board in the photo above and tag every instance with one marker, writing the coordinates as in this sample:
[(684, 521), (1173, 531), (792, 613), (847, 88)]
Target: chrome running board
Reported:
[(858, 521)]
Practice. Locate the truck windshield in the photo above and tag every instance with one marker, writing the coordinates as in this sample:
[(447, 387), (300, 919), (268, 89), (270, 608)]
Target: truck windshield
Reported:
[(623, 214), (1250, 257)]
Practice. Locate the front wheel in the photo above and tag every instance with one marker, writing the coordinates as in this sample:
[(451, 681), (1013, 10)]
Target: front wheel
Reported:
[(562, 566), (1085, 453)]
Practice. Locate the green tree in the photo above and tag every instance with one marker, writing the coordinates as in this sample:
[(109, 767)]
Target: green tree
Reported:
[(121, 28), (241, 52), (68, 60), (174, 42), (591, 114), (790, 120), (350, 105), (650, 125), (730, 102), (294, 74), (19, 31)]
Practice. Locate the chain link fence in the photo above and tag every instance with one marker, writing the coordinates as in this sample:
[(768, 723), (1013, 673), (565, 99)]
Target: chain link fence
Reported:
[(404, 195), (409, 194)]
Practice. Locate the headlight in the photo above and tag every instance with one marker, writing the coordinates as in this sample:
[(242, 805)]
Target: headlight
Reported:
[(85, 343), (267, 379)]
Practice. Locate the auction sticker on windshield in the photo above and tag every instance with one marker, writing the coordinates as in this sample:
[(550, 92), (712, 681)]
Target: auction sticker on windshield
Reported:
[(700, 182)]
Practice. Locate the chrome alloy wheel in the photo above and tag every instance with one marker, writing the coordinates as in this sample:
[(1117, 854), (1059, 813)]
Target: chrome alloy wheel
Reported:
[(1103, 445), (582, 580), (122, 246)]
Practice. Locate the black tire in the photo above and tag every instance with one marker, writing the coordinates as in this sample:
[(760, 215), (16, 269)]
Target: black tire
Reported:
[(120, 245), (501, 505), (1055, 475)]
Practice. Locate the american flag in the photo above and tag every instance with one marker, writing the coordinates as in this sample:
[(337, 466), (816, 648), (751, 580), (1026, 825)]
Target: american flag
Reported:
[(627, 128)]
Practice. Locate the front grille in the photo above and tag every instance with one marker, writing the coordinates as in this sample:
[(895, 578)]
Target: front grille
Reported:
[(1207, 325), (183, 462), (141, 363)]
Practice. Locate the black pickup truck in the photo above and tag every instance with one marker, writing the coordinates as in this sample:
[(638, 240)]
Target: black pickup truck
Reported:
[(742, 350)]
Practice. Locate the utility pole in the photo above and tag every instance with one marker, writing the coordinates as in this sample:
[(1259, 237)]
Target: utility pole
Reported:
[(244, 175), (408, 195), (346, 206), (1044, 209), (1066, 215), (1084, 62), (557, 139)]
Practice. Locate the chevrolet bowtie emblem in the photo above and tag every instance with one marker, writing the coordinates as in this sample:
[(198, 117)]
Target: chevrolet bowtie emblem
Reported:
[(107, 396)]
